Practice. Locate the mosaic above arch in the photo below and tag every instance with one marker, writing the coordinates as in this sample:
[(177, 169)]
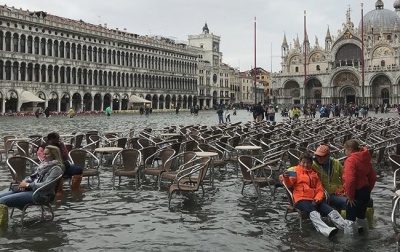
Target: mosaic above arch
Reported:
[(382, 51)]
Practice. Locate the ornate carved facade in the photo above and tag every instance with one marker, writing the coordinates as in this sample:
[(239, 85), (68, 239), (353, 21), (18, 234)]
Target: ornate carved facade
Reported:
[(334, 73), (71, 63)]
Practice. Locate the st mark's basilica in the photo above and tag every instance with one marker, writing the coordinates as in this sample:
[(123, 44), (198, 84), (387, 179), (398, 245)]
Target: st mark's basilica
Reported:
[(334, 70)]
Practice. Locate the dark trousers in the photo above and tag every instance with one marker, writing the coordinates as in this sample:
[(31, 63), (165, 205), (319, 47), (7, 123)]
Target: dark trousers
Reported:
[(362, 197), (307, 206), (71, 170)]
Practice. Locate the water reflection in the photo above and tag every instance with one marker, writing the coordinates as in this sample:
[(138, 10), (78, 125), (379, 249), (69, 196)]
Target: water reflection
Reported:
[(128, 219)]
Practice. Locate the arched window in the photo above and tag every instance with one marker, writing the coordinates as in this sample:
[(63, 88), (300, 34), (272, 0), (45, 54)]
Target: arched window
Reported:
[(318, 68), (297, 69), (382, 63)]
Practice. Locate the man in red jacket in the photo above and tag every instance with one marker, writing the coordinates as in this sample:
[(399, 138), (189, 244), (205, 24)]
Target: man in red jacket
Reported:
[(359, 179)]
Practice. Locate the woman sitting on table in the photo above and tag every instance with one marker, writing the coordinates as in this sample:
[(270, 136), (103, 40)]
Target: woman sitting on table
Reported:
[(308, 195), (71, 170), (49, 169)]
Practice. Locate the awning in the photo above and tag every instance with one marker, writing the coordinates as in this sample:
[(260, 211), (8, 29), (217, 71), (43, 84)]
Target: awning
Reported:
[(137, 99), (27, 96)]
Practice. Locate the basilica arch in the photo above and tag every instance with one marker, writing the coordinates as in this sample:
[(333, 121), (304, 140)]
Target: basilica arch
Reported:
[(291, 92), (313, 91), (381, 90), (345, 88)]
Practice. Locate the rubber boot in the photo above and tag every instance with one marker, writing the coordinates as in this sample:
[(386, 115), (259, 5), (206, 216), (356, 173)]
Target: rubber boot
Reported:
[(369, 214), (321, 226), (76, 182), (3, 216), (351, 228), (362, 225), (59, 189), (337, 219)]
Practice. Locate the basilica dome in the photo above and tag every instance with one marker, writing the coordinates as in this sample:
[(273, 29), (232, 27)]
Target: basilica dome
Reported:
[(380, 19)]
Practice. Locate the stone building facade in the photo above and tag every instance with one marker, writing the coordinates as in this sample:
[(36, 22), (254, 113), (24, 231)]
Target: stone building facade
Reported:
[(214, 76), (334, 72), (70, 63)]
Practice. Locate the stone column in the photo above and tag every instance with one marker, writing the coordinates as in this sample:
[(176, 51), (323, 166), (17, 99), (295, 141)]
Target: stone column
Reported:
[(102, 105), (82, 108), (3, 108), (92, 108), (70, 103), (58, 105)]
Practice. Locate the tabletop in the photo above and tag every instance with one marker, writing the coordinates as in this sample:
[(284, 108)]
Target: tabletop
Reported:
[(18, 139), (169, 134), (247, 147), (206, 154), (108, 149)]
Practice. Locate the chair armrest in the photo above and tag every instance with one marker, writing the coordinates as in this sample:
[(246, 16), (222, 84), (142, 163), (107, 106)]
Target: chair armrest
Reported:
[(45, 186)]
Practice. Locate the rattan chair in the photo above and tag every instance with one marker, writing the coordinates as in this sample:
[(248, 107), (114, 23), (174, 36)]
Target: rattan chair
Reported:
[(46, 201), (126, 163)]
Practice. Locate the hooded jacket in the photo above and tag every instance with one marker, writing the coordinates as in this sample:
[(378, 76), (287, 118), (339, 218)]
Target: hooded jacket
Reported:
[(333, 182), (306, 185), (358, 172)]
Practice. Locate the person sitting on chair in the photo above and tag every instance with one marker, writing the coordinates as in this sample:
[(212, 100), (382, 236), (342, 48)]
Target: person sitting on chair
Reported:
[(49, 169), (308, 195), (71, 171)]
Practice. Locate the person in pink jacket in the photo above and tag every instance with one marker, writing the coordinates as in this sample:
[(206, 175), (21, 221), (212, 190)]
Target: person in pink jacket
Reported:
[(359, 179)]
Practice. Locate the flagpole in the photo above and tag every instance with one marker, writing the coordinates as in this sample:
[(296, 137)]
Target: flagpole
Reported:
[(305, 57), (362, 54), (255, 61)]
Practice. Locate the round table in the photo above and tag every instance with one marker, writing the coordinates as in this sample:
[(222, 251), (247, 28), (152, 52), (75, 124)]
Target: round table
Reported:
[(247, 147), (108, 149), (103, 150)]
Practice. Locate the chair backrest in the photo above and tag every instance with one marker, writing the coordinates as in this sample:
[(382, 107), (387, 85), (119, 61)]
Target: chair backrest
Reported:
[(121, 142), (245, 164), (78, 157), (8, 144), (147, 152), (52, 184), (131, 159), (18, 167), (294, 156), (189, 145), (289, 194), (166, 156), (394, 162), (203, 147), (77, 141), (94, 140), (23, 148), (89, 133)]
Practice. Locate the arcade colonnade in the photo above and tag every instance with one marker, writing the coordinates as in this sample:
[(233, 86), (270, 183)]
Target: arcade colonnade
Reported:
[(10, 100)]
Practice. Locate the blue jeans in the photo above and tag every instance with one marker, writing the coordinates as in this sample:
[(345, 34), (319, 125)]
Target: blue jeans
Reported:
[(362, 197), (71, 170), (307, 206), (17, 199), (338, 202), (220, 119)]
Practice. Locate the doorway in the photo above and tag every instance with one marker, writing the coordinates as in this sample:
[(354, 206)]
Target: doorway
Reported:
[(350, 99)]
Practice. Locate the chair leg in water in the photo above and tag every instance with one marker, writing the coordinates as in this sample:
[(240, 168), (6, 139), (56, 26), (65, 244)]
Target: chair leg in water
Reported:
[(321, 226)]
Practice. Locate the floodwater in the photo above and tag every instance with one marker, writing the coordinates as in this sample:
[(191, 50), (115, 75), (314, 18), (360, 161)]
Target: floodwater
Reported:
[(126, 219)]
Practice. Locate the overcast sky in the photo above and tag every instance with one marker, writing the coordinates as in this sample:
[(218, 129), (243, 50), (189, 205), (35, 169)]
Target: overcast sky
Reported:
[(233, 20)]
